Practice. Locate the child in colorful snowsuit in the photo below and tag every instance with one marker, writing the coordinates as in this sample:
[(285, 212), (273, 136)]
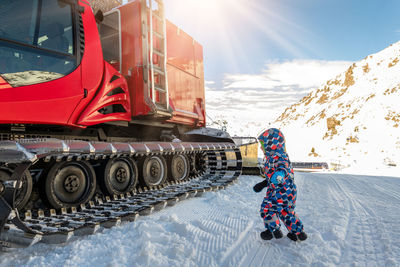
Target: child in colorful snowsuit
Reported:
[(280, 200)]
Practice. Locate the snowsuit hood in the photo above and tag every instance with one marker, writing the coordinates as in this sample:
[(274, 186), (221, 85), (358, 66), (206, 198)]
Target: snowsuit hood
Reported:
[(272, 141), (276, 158)]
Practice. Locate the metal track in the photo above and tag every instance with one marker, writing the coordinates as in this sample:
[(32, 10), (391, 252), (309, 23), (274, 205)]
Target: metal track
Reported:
[(222, 166)]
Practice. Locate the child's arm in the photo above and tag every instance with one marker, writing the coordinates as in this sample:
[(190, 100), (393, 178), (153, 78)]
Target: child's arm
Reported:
[(260, 186)]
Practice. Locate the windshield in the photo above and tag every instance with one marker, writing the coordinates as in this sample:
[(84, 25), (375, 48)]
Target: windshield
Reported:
[(36, 41)]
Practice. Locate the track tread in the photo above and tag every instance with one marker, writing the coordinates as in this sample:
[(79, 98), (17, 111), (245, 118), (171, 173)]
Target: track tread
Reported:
[(105, 212)]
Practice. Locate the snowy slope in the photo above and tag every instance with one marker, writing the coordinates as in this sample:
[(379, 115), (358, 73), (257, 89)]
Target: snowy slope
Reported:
[(351, 221), (352, 119)]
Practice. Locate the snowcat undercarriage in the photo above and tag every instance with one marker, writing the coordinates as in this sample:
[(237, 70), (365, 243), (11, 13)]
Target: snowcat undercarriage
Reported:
[(86, 186)]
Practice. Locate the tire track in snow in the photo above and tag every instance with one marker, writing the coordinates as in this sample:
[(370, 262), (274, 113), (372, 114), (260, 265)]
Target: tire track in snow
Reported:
[(214, 234), (351, 227), (362, 227), (318, 204), (234, 237), (267, 253), (236, 245), (388, 191), (258, 251), (380, 232)]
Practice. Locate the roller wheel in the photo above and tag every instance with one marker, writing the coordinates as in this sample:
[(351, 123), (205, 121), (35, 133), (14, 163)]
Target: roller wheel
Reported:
[(154, 171), (24, 192), (69, 184), (120, 176), (197, 163), (179, 167)]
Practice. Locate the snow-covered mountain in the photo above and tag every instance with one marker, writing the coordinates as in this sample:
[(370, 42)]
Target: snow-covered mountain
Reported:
[(352, 119)]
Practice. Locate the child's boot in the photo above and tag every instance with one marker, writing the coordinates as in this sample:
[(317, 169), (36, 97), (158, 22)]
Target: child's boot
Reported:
[(292, 236), (266, 235), (278, 233), (302, 236)]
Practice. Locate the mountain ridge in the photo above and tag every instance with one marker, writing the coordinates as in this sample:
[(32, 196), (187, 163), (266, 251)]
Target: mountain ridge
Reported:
[(353, 117)]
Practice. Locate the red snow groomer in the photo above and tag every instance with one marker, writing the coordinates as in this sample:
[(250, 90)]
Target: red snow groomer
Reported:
[(102, 119)]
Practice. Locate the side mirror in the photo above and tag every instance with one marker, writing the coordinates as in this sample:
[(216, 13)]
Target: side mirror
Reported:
[(99, 16)]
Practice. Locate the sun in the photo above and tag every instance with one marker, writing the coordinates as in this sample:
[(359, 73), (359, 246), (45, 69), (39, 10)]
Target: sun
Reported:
[(206, 4), (203, 13)]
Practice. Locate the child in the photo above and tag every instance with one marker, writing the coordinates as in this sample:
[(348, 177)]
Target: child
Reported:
[(280, 200)]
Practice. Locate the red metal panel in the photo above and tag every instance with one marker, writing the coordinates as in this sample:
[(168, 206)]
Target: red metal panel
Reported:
[(180, 49), (92, 61), (185, 77), (199, 62), (132, 58), (96, 80), (113, 91)]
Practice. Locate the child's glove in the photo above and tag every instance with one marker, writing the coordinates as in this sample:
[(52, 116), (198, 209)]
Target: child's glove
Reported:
[(260, 186), (277, 177)]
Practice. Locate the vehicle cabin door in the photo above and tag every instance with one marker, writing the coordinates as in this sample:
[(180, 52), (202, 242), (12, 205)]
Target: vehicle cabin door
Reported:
[(39, 61)]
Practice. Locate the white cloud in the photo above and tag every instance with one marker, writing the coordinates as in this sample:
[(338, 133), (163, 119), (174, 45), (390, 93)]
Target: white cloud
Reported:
[(298, 73), (249, 81)]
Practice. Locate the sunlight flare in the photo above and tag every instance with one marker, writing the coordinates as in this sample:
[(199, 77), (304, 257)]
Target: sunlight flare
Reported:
[(224, 24)]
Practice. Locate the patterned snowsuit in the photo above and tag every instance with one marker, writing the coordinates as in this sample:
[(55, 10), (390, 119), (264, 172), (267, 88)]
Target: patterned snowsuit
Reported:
[(280, 200)]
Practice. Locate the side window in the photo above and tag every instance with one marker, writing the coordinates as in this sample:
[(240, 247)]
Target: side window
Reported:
[(110, 38), (36, 41), (55, 32)]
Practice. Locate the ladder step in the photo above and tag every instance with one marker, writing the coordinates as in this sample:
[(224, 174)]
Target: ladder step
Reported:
[(162, 90), (159, 53), (161, 106), (159, 35), (157, 17), (158, 70)]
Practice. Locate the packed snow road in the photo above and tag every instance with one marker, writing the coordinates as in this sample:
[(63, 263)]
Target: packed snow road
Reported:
[(350, 220)]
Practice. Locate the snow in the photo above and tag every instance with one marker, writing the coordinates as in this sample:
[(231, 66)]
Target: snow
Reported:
[(351, 220)]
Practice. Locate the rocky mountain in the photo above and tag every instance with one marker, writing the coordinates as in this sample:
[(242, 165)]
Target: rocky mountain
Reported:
[(353, 118)]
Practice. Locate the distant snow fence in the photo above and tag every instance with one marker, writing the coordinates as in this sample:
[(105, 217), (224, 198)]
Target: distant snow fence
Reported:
[(312, 166), (252, 164)]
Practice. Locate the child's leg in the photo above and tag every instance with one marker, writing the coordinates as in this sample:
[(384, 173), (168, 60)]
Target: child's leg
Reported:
[(292, 222), (269, 214)]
